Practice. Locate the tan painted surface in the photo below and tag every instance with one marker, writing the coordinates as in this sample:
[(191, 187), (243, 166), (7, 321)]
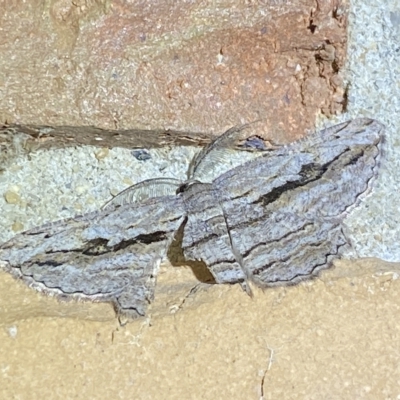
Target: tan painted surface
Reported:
[(335, 337)]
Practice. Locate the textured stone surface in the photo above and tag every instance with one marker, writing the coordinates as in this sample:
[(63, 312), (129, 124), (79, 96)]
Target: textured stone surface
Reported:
[(191, 66)]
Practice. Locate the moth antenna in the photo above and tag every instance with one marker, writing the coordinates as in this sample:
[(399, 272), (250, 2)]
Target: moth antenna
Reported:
[(219, 151), (144, 190)]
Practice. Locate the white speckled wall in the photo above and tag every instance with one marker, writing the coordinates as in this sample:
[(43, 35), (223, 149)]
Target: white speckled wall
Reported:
[(373, 75)]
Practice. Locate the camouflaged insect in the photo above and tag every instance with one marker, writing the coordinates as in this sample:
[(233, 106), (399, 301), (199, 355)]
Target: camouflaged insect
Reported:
[(274, 220)]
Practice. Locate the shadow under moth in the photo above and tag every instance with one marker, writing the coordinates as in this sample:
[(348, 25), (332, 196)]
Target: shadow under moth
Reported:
[(273, 220)]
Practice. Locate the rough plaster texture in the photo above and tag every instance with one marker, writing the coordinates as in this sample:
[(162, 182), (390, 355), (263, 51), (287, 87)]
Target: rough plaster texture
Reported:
[(334, 337)]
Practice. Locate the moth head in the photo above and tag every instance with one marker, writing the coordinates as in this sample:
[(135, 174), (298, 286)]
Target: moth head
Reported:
[(184, 187)]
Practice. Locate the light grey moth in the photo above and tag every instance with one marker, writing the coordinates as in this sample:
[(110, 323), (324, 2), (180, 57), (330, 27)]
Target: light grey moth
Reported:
[(273, 220)]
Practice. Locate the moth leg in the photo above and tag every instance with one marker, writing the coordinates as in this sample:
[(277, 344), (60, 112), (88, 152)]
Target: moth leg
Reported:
[(213, 249), (206, 236)]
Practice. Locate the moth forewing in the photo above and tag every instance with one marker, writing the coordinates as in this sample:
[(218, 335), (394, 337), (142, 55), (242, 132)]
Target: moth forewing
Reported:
[(111, 255)]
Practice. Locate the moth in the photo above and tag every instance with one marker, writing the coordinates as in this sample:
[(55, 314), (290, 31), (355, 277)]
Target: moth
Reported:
[(274, 220)]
